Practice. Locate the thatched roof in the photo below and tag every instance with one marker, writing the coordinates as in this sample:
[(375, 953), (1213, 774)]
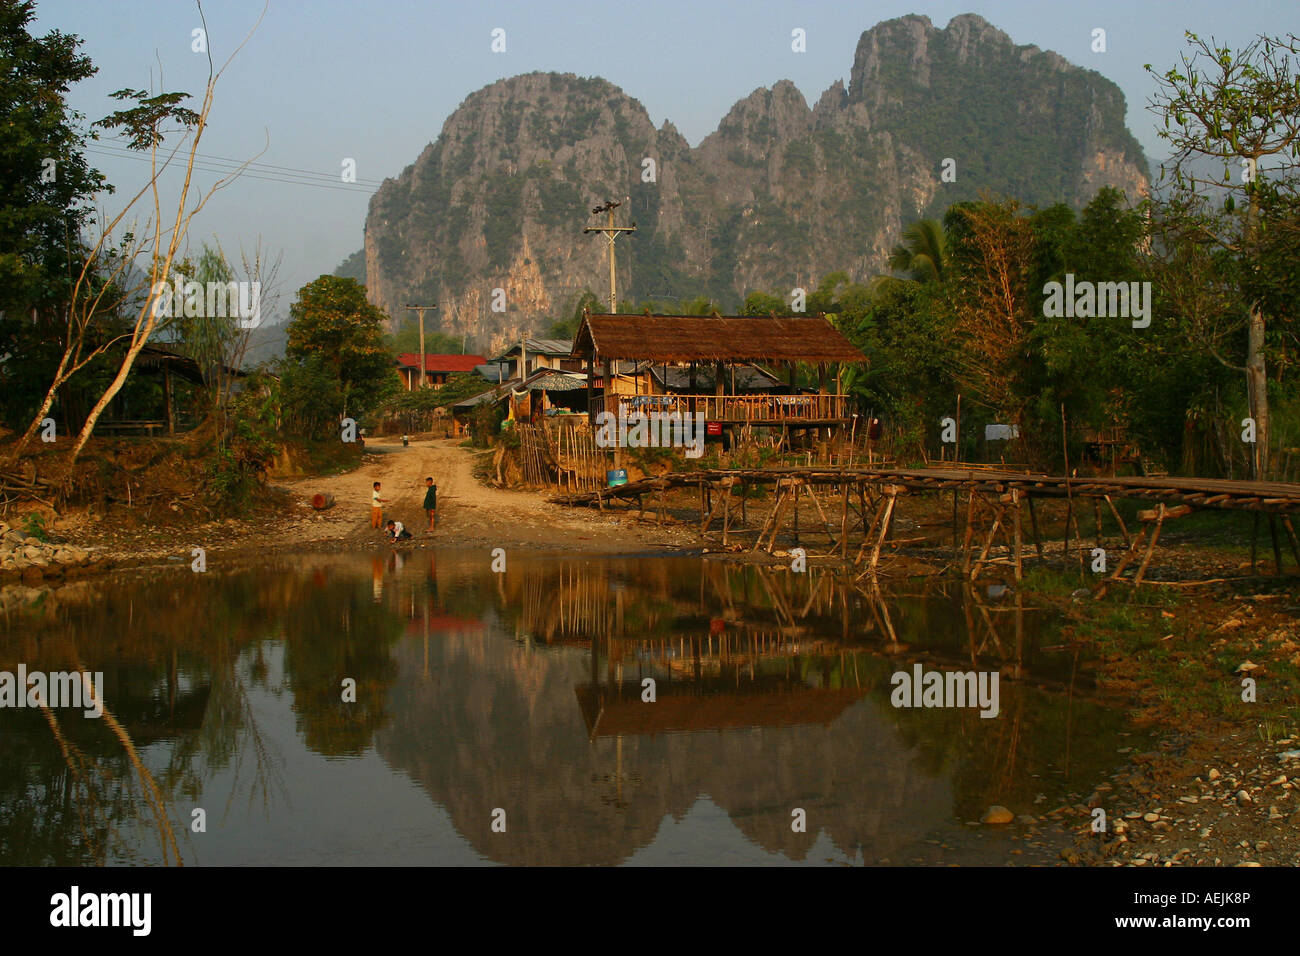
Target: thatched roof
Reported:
[(725, 338)]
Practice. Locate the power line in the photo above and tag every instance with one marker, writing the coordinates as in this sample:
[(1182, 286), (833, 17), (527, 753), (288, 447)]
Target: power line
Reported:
[(268, 167), (320, 179), (345, 187)]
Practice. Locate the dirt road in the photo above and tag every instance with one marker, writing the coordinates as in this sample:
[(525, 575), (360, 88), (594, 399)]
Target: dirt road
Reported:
[(469, 512)]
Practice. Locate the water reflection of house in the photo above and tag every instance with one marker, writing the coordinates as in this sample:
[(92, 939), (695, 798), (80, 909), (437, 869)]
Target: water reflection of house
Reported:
[(443, 623), (612, 710)]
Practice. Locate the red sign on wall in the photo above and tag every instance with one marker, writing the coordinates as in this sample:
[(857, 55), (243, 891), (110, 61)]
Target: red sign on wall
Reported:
[(713, 428)]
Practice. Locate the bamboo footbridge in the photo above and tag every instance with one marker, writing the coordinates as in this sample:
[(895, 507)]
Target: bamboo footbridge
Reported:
[(868, 499)]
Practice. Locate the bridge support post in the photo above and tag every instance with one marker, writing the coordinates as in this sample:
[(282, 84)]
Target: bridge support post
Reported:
[(1290, 533), (1015, 503), (1277, 552), (965, 545), (1033, 525)]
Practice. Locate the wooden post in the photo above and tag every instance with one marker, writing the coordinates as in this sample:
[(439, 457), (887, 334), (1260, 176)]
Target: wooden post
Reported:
[(884, 530), (591, 400), (970, 518), (772, 519), (1254, 539), (876, 512), (1291, 536), (1123, 529), (1155, 533), (1033, 524), (1129, 555), (844, 526), (955, 492), (798, 487), (167, 399), (1015, 503), (1277, 552), (988, 542), (727, 484), (1069, 514)]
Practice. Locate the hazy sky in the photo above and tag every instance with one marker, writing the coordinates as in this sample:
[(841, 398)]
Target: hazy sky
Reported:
[(325, 80)]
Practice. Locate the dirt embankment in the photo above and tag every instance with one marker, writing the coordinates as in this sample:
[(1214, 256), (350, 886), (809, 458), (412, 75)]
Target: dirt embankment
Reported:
[(470, 513)]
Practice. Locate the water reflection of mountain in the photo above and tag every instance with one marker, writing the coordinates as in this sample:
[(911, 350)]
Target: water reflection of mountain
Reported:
[(771, 695), (496, 726)]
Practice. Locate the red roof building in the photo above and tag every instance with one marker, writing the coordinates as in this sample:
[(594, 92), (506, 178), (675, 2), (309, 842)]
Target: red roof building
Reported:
[(437, 368)]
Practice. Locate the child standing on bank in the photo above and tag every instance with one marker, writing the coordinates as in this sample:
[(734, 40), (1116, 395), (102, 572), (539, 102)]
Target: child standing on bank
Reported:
[(431, 502), (377, 508)]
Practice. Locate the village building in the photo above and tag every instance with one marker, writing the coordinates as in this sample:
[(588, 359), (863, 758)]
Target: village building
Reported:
[(531, 355), (543, 395), (713, 365), (437, 368)]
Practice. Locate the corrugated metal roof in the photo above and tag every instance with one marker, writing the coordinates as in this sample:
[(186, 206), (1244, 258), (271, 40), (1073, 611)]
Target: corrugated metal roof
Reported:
[(539, 347), (556, 382)]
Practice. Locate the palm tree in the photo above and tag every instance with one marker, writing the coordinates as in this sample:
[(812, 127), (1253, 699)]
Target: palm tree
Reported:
[(923, 253)]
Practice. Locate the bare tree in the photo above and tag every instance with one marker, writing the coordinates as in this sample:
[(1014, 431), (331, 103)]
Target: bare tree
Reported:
[(144, 124)]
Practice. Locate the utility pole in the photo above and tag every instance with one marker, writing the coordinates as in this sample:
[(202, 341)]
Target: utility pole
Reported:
[(611, 232), (421, 309)]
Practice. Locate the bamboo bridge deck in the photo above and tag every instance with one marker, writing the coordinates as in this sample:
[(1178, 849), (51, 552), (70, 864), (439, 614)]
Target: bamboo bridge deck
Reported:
[(1264, 496), (998, 495)]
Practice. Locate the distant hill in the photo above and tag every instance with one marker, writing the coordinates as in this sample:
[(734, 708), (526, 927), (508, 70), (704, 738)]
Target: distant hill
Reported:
[(779, 195), (353, 267), (266, 342)]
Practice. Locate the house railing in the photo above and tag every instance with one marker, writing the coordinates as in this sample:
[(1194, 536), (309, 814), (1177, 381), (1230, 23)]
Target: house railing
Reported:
[(777, 409)]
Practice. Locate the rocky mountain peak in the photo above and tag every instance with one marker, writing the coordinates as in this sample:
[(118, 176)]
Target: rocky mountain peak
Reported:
[(777, 196)]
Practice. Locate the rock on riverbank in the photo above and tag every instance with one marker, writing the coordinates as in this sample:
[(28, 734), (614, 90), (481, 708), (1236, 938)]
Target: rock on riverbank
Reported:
[(25, 556)]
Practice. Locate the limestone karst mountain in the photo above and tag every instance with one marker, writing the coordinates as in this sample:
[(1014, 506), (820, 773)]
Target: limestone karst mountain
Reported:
[(781, 193)]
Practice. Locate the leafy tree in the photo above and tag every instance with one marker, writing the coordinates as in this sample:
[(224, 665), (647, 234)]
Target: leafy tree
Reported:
[(763, 303), (1240, 111), (923, 253), (309, 395), (45, 201), (568, 328), (993, 305), (339, 334), (48, 187), (407, 339)]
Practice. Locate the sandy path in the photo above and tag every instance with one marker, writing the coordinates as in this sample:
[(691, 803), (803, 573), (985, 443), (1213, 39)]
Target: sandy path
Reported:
[(468, 511)]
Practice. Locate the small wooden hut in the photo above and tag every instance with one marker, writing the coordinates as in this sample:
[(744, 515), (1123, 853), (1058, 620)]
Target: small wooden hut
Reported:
[(724, 345)]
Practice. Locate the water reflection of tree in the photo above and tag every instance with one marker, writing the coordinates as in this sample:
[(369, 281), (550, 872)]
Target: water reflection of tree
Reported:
[(333, 630), (179, 658)]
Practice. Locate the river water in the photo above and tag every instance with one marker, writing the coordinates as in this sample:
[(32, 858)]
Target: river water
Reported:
[(500, 717)]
